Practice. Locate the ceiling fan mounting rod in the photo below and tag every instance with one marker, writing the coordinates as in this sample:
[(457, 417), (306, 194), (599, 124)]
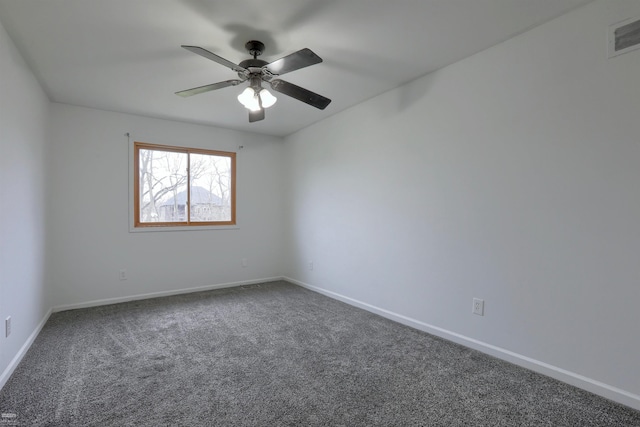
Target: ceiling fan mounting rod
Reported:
[(252, 67), (254, 47)]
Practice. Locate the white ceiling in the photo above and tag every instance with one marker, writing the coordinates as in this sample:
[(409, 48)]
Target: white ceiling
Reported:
[(125, 55)]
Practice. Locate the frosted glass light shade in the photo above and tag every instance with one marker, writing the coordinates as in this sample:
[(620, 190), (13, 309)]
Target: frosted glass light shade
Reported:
[(267, 99), (249, 99)]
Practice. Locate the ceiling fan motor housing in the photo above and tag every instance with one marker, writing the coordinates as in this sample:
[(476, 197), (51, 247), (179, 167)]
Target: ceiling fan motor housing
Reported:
[(254, 65)]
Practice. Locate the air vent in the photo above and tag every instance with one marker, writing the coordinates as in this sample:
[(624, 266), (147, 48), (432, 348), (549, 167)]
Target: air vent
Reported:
[(624, 37)]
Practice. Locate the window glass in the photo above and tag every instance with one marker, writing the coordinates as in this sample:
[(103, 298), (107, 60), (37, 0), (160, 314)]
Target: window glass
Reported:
[(183, 186)]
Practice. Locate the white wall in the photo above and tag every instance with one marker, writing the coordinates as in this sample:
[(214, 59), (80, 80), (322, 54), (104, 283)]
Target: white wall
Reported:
[(510, 176), (89, 185), (23, 143)]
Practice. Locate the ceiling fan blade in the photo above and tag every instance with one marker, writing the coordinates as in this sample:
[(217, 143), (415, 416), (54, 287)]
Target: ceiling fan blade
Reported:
[(301, 94), (295, 61), (255, 116), (212, 56), (207, 88)]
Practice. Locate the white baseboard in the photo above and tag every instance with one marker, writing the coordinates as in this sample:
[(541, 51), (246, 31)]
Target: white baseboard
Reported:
[(605, 390), (117, 300), (23, 350)]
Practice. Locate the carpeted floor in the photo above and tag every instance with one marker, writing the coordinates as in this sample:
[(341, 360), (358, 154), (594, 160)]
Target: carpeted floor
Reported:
[(274, 355)]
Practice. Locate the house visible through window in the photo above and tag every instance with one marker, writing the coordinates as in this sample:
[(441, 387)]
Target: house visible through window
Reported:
[(176, 186)]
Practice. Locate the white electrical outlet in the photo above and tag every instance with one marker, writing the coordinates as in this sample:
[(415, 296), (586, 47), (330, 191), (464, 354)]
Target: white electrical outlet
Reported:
[(243, 262), (310, 265), (7, 326), (123, 275), (478, 306)]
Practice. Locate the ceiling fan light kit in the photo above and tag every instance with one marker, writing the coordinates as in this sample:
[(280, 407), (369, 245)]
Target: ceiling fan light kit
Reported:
[(254, 101), (255, 98)]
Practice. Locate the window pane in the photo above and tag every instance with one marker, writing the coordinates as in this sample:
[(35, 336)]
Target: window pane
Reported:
[(163, 186), (210, 188), (179, 186)]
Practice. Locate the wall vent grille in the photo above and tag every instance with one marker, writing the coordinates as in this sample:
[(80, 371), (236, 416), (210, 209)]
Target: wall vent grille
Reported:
[(624, 37)]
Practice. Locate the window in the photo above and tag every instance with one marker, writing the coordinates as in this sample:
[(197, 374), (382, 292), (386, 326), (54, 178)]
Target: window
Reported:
[(176, 186)]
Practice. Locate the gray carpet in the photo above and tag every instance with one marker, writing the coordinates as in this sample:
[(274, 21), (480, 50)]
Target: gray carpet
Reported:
[(274, 355)]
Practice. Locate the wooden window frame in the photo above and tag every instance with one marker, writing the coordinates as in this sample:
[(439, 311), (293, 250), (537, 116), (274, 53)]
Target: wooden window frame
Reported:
[(137, 146)]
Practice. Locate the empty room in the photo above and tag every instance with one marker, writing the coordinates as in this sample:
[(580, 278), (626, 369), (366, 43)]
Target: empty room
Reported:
[(319, 213)]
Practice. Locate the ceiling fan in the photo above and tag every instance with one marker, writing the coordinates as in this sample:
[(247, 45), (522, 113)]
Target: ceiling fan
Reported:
[(255, 98)]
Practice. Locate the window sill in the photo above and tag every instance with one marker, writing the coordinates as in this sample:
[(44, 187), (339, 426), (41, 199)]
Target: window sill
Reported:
[(189, 228)]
